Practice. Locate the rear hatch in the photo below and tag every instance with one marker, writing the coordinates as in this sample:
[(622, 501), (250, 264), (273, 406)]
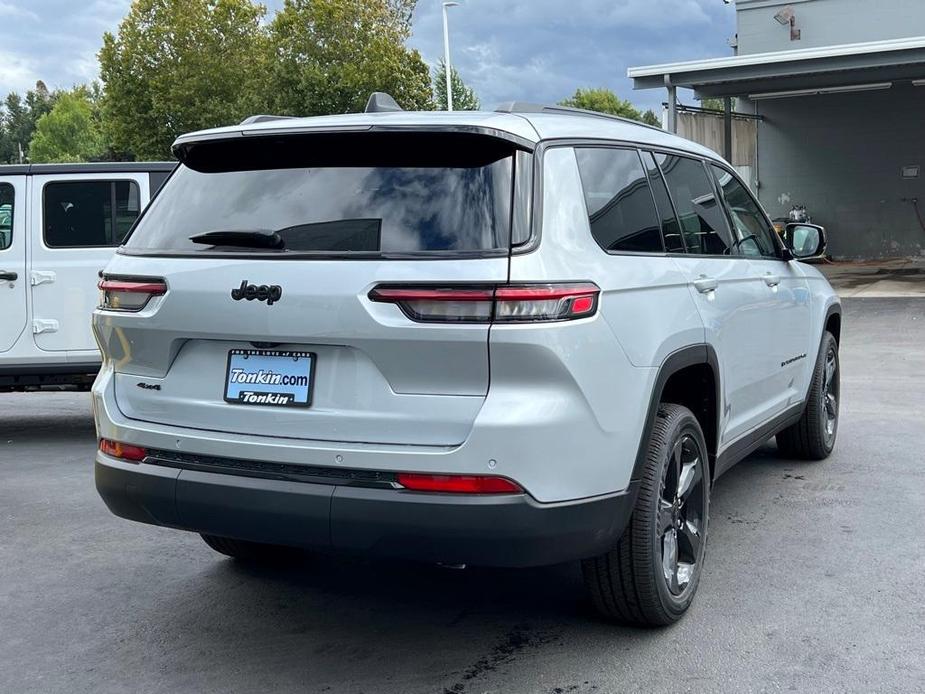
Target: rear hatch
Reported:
[(269, 247)]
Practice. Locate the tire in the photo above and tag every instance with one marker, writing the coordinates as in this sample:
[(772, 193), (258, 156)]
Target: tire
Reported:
[(254, 552), (813, 436), (639, 582)]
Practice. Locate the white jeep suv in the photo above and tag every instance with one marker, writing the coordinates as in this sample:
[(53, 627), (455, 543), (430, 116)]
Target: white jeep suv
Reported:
[(511, 338)]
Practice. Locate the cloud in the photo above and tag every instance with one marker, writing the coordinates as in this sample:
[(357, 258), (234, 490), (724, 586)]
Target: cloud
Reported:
[(534, 50), (542, 50), (7, 9)]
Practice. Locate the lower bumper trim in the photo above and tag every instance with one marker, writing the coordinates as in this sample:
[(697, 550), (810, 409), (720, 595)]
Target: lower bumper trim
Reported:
[(485, 530)]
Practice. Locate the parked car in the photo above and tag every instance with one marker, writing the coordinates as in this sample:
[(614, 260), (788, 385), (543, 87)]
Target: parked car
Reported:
[(509, 339), (59, 225)]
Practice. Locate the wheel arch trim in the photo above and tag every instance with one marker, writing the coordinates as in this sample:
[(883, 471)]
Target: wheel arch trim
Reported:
[(677, 361)]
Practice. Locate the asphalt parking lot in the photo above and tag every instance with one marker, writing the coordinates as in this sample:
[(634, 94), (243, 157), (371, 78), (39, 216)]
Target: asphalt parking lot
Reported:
[(814, 577)]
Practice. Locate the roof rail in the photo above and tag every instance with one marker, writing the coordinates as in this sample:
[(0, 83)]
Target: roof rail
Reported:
[(527, 107), (380, 102), (250, 120)]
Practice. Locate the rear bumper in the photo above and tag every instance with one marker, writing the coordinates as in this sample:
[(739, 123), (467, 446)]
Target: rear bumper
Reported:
[(485, 530)]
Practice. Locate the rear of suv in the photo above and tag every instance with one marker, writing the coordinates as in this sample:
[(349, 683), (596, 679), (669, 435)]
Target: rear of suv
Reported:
[(509, 339)]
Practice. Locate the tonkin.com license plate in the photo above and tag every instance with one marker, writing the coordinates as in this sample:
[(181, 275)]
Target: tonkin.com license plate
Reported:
[(269, 377)]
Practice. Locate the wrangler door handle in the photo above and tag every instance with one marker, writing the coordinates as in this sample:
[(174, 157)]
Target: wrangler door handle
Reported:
[(771, 280), (705, 284), (9, 276)]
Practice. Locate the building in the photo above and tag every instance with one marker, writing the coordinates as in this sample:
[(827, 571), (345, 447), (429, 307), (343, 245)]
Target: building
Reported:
[(836, 89)]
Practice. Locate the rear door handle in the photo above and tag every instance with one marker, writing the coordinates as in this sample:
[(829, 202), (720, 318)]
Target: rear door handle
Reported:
[(705, 284), (771, 280), (9, 276)]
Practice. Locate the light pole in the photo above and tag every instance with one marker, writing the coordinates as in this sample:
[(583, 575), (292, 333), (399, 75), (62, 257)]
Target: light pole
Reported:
[(446, 56)]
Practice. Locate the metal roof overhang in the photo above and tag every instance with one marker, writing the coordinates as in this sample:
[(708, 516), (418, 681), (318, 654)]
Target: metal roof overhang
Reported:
[(810, 68)]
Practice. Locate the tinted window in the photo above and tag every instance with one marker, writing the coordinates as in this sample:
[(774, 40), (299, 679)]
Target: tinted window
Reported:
[(89, 213), (618, 199), (670, 229), (344, 193), (6, 215), (523, 199), (702, 219), (754, 236)]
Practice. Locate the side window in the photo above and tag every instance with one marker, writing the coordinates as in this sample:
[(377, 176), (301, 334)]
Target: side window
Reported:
[(670, 229), (89, 213), (702, 219), (620, 206), (7, 197), (753, 235)]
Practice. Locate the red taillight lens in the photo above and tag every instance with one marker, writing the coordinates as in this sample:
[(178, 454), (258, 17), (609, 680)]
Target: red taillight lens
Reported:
[(129, 295), (459, 484), (440, 304), (546, 302), (123, 451), (505, 303)]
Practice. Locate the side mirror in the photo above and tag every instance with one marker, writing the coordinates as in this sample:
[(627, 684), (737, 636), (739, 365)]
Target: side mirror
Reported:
[(806, 241)]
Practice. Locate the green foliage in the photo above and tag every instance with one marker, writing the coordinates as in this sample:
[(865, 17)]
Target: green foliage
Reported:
[(327, 56), (18, 119), (180, 65), (70, 131), (604, 100), (464, 98), (713, 102), (650, 118)]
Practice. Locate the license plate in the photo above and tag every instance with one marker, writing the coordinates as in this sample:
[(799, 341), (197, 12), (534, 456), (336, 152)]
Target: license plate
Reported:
[(269, 377)]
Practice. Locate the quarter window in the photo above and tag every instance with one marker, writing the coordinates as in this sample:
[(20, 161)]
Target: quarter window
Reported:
[(753, 235), (89, 213), (7, 196), (620, 206), (702, 219)]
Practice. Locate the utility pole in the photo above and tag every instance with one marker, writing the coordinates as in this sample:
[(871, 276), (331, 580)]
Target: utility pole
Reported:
[(446, 56)]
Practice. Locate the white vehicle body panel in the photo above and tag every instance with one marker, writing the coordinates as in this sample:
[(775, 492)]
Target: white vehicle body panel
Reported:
[(45, 313)]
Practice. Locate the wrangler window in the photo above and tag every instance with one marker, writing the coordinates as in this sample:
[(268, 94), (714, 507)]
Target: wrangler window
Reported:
[(89, 213), (7, 194)]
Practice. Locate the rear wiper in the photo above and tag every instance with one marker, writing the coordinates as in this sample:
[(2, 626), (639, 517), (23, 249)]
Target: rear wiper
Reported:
[(252, 238)]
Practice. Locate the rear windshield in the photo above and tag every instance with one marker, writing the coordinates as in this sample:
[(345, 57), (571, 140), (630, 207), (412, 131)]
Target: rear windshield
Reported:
[(356, 193)]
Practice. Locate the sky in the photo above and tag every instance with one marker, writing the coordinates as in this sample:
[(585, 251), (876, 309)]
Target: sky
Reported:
[(530, 50)]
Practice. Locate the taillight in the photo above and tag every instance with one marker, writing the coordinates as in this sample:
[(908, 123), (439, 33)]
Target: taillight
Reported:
[(458, 484), (503, 303), (123, 451), (129, 295)]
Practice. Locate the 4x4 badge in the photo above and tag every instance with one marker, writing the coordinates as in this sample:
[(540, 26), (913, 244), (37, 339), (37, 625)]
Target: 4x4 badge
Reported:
[(271, 293)]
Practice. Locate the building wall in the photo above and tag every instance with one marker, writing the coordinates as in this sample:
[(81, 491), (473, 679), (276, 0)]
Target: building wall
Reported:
[(842, 156), (826, 23)]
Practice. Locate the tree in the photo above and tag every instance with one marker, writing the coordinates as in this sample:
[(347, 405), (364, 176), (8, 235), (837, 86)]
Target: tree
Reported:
[(712, 102), (18, 121), (603, 101), (464, 98), (327, 56), (69, 132), (180, 65), (649, 118)]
